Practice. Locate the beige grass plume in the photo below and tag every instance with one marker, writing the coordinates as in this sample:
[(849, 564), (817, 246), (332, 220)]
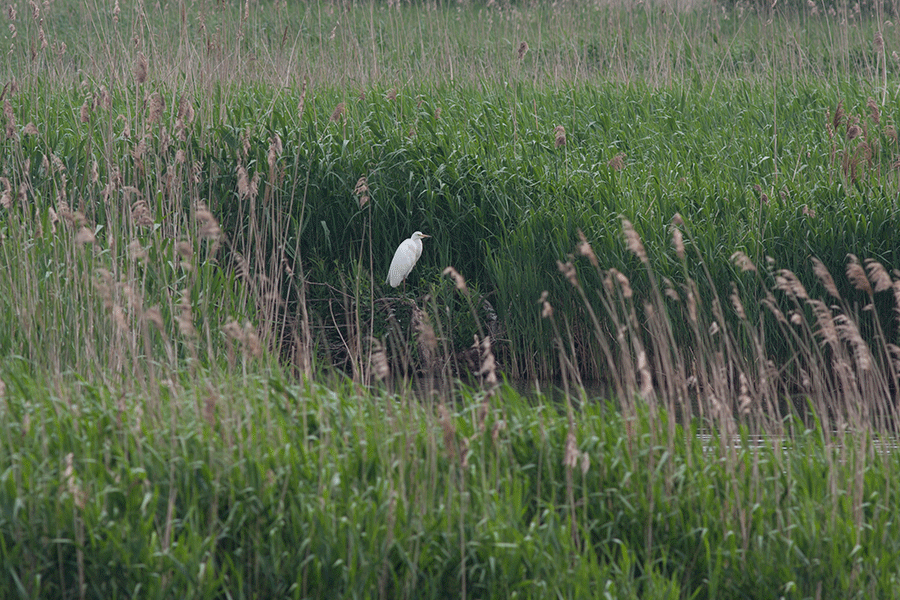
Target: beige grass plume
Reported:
[(825, 278), (523, 49), (787, 282), (633, 241), (857, 275), (338, 113), (878, 275), (140, 68), (617, 162), (559, 134), (584, 249), (362, 190)]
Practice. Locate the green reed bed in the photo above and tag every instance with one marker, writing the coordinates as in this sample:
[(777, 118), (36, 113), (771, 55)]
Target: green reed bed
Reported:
[(501, 141), (206, 391), (502, 190), (254, 487)]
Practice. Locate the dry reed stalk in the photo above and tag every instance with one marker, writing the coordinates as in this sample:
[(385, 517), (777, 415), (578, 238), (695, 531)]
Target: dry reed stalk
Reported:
[(140, 68), (571, 455), (523, 49), (153, 315), (874, 112), (878, 275), (568, 270), (185, 318), (895, 286), (338, 113), (379, 361), (275, 149), (838, 117), (449, 430), (646, 379), (427, 340), (458, 279), (736, 303), (10, 117), (85, 113), (669, 290), (488, 369), (301, 103), (243, 182), (6, 195), (745, 401), (546, 308), (849, 332), (617, 162), (787, 282), (584, 249), (825, 321), (156, 107), (136, 251), (770, 303), (615, 277), (857, 275), (140, 214), (559, 134), (361, 190), (634, 243), (85, 236), (678, 242), (825, 278)]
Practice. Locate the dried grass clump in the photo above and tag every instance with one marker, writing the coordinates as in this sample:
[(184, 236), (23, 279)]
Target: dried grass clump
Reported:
[(338, 113), (155, 108), (361, 191), (584, 249), (458, 279), (209, 226), (617, 162), (825, 278), (857, 276), (633, 241), (878, 275), (523, 49), (559, 134), (140, 68)]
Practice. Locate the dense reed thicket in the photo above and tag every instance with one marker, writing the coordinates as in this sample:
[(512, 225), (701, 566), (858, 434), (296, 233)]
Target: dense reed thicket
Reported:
[(206, 390)]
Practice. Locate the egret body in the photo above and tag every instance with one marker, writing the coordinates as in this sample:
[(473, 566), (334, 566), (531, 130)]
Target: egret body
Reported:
[(405, 259)]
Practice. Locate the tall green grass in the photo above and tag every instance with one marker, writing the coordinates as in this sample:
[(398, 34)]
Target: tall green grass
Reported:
[(479, 171), (256, 488), (205, 389)]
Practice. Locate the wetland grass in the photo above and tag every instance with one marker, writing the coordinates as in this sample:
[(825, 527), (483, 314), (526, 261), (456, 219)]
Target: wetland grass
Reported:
[(204, 393)]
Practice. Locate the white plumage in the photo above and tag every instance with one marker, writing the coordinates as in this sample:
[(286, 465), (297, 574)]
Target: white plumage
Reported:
[(405, 258)]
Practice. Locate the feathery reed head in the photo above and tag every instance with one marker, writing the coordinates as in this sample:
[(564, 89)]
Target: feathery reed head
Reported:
[(584, 249), (617, 162), (457, 279), (338, 113), (559, 133), (523, 49), (825, 278), (140, 68), (857, 275), (633, 241)]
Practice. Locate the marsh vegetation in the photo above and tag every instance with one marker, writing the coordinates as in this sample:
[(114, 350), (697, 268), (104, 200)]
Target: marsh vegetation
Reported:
[(207, 391)]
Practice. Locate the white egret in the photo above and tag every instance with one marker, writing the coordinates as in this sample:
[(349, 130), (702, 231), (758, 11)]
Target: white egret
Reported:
[(405, 259)]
